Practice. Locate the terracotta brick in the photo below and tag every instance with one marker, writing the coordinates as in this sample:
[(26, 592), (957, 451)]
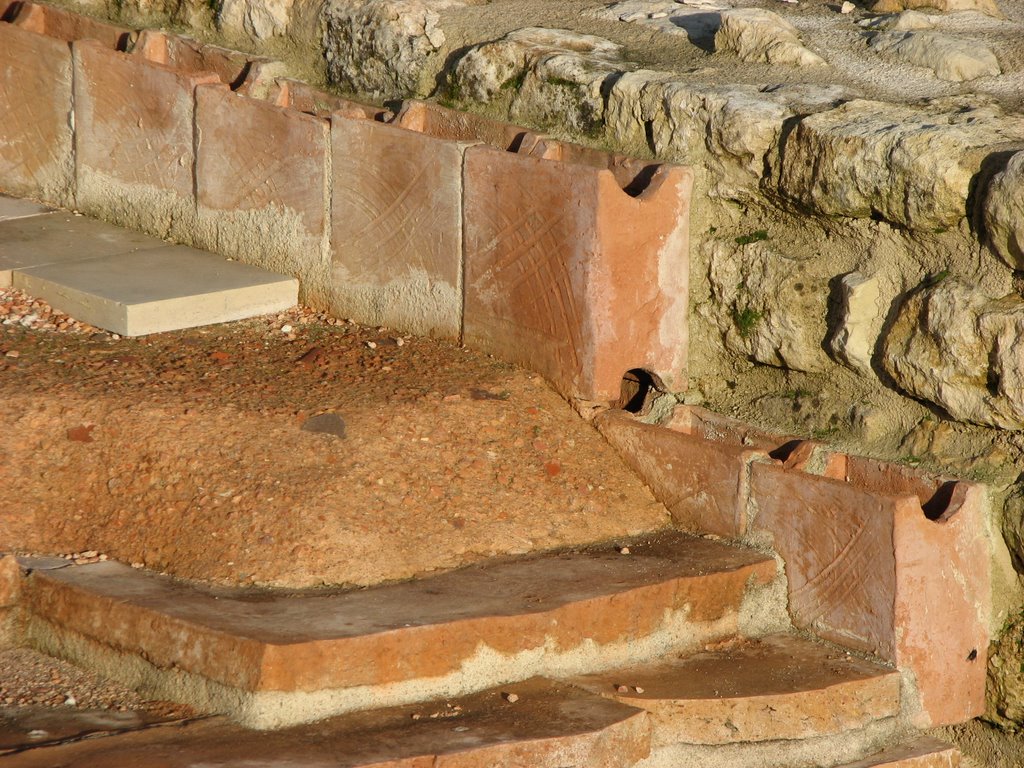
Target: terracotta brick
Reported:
[(767, 689), (262, 186), (10, 581), (573, 277), (36, 157), (396, 227), (314, 101), (703, 482), (134, 140), (191, 57), (415, 631), (62, 24), (878, 563), (454, 125)]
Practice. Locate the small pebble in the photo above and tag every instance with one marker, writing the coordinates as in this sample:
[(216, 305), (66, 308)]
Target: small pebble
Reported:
[(511, 698), (623, 550), (847, 7), (286, 329), (622, 688), (638, 689), (371, 344)]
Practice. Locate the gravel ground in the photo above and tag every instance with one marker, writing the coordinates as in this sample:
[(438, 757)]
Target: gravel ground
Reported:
[(32, 679), (194, 452)]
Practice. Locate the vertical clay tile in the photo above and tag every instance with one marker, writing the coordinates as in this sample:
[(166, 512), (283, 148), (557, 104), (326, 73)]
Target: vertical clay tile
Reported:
[(571, 275), (134, 140), (261, 185), (36, 154), (396, 227)]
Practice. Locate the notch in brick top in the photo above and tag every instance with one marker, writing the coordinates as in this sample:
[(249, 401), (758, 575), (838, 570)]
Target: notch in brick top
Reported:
[(305, 98), (63, 24), (573, 275)]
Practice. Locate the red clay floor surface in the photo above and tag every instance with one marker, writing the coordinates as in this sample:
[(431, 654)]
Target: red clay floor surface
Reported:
[(291, 450)]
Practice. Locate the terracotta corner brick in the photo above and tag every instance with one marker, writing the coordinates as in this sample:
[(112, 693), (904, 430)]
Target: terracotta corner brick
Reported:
[(262, 186), (36, 154), (396, 227), (66, 25), (889, 561), (703, 483), (572, 275)]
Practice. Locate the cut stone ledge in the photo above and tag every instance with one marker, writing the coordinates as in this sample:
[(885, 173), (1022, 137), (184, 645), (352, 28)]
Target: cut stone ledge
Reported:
[(270, 660)]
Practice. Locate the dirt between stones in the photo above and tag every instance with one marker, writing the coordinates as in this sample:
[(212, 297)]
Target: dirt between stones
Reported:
[(185, 452)]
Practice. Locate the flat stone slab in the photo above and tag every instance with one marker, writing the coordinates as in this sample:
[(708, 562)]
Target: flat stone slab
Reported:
[(776, 687), (292, 657), (14, 208), (923, 752), (535, 723), (163, 289), (62, 237)]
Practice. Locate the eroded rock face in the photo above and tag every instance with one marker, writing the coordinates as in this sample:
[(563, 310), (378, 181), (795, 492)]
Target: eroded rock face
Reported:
[(1005, 689), (1004, 213), (555, 76), (950, 58), (771, 309), (860, 315), (913, 166), (755, 34), (987, 7), (260, 19), (385, 47), (953, 346)]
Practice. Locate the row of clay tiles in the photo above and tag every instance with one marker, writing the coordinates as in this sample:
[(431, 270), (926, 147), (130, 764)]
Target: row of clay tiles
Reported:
[(879, 557), (570, 261)]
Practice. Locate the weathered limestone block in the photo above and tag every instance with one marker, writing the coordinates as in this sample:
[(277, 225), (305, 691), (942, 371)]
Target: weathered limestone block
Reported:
[(385, 47), (577, 270), (730, 130), (1004, 213), (891, 561), (756, 34), (912, 166), (950, 58), (556, 76), (908, 21), (36, 153), (953, 346), (989, 7), (860, 319), (1006, 677), (262, 186), (770, 307), (260, 19)]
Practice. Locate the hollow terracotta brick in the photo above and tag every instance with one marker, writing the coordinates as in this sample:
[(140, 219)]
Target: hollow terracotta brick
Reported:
[(134, 140), (396, 227), (305, 98), (262, 186), (876, 563), (703, 482), (571, 276), (191, 57), (36, 139), (455, 125), (62, 24)]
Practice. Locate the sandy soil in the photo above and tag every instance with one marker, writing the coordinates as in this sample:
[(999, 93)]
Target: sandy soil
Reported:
[(186, 452)]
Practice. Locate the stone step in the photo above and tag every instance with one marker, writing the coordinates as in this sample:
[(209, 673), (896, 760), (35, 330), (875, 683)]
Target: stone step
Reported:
[(771, 688), (922, 752), (163, 289), (272, 659), (534, 723)]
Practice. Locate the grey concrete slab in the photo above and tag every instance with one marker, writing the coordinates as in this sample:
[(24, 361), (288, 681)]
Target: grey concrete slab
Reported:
[(162, 289), (14, 208), (60, 237)]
